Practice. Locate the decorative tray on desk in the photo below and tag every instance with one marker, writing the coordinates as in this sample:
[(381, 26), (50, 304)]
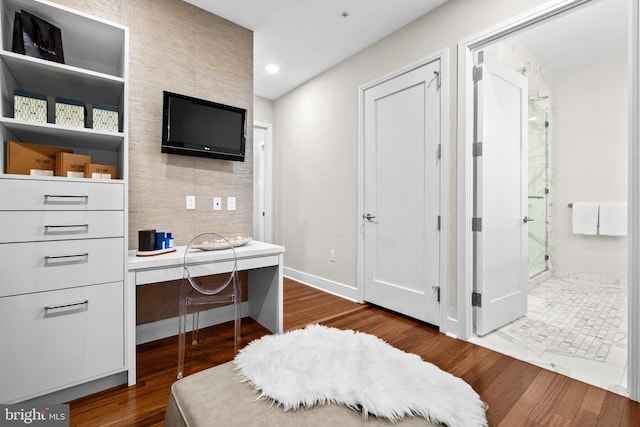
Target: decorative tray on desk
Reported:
[(221, 244), (156, 252)]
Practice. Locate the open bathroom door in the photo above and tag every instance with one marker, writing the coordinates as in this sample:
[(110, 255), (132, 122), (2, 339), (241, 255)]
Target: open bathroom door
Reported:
[(500, 176)]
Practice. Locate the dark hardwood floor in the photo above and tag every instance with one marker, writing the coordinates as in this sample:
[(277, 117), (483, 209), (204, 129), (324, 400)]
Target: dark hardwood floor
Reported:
[(518, 394)]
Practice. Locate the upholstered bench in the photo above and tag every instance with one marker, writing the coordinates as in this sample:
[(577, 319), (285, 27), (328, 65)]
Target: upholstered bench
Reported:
[(215, 397)]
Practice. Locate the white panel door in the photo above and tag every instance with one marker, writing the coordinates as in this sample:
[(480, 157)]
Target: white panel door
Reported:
[(258, 177), (262, 182), (500, 247), (402, 193)]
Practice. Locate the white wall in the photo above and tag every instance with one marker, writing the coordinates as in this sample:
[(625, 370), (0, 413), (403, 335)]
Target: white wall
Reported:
[(316, 139), (263, 110), (589, 163)]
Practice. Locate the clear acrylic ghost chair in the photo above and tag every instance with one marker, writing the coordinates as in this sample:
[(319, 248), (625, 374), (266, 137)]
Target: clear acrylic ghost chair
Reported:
[(203, 285)]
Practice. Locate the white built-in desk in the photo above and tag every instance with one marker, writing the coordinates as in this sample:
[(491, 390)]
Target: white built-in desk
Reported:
[(263, 261)]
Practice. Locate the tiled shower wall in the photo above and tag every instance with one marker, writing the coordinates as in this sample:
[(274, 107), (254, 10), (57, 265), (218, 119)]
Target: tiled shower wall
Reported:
[(177, 47), (538, 189)]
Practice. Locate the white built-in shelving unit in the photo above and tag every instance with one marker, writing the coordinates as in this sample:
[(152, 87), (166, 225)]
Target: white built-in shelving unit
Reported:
[(63, 241)]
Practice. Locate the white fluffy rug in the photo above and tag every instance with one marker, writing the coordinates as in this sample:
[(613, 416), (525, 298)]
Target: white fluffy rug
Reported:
[(320, 365)]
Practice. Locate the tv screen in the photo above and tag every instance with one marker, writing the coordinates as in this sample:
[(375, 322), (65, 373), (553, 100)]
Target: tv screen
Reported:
[(196, 127)]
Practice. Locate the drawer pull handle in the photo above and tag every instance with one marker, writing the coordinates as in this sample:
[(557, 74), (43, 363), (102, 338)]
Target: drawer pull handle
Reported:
[(62, 257), (66, 307), (60, 227), (51, 198)]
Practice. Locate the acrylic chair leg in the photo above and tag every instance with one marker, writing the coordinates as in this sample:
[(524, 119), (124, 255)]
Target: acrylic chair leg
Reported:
[(236, 325), (238, 313), (194, 331), (181, 336)]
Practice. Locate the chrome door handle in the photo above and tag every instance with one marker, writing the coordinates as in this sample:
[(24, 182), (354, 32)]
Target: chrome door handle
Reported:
[(368, 217), (527, 219)]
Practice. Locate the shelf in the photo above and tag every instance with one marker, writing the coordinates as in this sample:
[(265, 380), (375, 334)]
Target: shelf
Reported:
[(90, 43), (51, 134), (59, 178), (52, 79)]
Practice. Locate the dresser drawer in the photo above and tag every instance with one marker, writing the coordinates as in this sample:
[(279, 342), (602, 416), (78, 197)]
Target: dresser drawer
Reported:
[(34, 194), (42, 266), (30, 226), (52, 340)]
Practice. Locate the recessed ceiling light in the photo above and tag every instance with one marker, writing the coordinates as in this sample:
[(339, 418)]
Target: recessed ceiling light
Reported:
[(272, 68)]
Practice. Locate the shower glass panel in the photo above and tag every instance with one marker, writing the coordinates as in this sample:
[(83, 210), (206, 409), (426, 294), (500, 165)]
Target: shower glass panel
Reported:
[(538, 189)]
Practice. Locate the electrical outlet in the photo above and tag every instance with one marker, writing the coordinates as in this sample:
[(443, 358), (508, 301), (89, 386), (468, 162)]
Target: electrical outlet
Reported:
[(191, 202), (217, 203), (332, 255)]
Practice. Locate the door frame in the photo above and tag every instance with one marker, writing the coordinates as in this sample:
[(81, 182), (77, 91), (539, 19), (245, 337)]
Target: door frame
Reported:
[(464, 190), (443, 57), (268, 180)]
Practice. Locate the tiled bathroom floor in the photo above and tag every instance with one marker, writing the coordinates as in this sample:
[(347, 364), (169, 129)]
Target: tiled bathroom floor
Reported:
[(576, 326)]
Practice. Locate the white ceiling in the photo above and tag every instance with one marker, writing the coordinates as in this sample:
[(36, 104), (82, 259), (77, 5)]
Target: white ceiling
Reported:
[(594, 32), (306, 37)]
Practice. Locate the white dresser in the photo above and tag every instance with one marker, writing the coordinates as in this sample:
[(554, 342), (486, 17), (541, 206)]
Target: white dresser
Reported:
[(63, 241), (62, 293)]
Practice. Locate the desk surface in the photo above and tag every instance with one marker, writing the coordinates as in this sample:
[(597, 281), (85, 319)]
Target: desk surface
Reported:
[(252, 249)]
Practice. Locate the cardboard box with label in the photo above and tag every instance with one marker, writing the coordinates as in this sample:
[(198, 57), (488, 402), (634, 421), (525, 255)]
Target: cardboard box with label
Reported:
[(71, 165), (97, 171), (31, 159)]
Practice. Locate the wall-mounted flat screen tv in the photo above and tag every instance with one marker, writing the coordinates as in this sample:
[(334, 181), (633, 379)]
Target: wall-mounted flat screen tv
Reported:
[(196, 127)]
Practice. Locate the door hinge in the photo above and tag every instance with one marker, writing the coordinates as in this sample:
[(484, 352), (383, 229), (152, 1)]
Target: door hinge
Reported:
[(477, 74), (439, 221), (476, 224), (476, 299), (546, 123), (477, 149), (439, 151), (437, 289)]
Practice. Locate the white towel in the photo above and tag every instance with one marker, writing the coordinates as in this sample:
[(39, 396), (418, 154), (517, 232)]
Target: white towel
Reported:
[(613, 219), (585, 218)]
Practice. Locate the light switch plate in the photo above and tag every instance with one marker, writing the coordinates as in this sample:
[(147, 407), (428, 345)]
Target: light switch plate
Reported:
[(217, 203), (231, 203), (191, 202)]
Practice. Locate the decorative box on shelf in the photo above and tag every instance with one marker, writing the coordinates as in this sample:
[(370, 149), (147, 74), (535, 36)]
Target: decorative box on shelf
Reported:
[(70, 112), (105, 117), (71, 165), (97, 171), (31, 107), (31, 159)]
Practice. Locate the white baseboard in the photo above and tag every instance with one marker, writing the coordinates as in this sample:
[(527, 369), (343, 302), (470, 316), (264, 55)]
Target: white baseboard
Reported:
[(335, 288), (169, 327)]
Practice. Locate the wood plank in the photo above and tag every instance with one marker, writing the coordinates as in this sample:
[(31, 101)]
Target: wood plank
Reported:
[(612, 412), (590, 407), (536, 392)]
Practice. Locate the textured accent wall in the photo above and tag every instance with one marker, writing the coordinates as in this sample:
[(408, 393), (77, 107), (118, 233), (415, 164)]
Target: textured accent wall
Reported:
[(177, 47)]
